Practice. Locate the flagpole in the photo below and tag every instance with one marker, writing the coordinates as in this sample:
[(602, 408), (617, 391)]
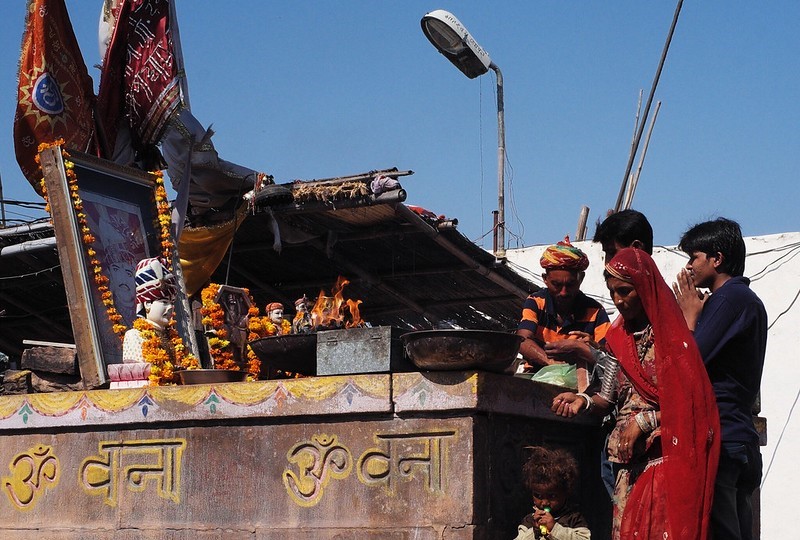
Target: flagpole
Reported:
[(100, 133), (2, 202)]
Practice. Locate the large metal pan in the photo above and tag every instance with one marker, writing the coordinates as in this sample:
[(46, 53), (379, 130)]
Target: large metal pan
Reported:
[(448, 350), (296, 353)]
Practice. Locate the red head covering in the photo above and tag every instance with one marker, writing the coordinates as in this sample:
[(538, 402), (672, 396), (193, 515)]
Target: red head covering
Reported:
[(563, 256), (690, 432), (273, 306)]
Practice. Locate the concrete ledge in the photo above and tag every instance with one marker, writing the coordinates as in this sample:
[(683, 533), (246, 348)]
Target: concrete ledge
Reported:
[(404, 456), (284, 398)]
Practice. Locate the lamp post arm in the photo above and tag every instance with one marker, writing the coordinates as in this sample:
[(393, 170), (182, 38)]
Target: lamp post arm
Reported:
[(500, 231)]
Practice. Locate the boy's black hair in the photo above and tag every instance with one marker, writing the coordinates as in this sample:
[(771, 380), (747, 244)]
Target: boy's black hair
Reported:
[(549, 467), (624, 227), (718, 236)]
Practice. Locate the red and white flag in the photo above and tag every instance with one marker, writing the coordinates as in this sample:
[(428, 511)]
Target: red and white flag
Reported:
[(144, 101), (55, 94), (142, 77)]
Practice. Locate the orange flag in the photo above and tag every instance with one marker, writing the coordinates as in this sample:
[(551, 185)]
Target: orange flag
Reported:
[(55, 94)]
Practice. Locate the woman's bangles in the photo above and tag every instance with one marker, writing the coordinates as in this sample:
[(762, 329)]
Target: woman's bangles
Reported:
[(606, 368), (647, 421)]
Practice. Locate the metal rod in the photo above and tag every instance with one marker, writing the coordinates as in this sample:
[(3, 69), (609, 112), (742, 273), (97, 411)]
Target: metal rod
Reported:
[(500, 251), (28, 246), (362, 177), (639, 132), (27, 228), (494, 231)]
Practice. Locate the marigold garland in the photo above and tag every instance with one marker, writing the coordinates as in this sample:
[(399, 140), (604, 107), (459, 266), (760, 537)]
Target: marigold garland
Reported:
[(264, 327), (218, 344), (163, 360), (183, 358), (96, 268), (261, 327), (164, 215)]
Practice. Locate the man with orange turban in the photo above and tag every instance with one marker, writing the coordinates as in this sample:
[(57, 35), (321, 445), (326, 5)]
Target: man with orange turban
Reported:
[(560, 312)]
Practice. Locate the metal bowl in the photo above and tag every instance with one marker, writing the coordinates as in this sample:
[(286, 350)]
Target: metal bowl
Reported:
[(210, 376), (291, 352), (486, 350)]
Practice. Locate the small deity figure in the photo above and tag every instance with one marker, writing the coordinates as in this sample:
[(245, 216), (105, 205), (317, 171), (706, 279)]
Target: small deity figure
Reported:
[(279, 326), (302, 319), (235, 302), (155, 299), (152, 349)]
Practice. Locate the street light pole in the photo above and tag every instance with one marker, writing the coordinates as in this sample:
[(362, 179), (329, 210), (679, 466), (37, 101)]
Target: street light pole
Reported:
[(452, 39), (500, 231)]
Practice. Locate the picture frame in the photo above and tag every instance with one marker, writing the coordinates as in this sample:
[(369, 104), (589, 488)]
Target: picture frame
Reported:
[(119, 208)]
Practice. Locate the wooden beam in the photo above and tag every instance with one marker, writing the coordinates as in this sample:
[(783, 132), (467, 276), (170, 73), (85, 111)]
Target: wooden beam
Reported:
[(432, 233)]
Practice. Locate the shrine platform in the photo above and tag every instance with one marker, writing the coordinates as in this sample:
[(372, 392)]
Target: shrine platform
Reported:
[(428, 456)]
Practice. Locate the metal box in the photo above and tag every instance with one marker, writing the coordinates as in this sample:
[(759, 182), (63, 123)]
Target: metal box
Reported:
[(361, 350)]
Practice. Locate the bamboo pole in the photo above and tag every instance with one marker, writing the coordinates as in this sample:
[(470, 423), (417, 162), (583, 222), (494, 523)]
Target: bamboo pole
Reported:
[(635, 179), (580, 232), (640, 131), (363, 177)]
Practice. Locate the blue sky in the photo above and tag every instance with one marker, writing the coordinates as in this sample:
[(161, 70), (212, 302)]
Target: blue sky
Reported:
[(314, 89)]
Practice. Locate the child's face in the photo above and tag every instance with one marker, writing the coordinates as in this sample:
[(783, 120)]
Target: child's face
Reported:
[(551, 496)]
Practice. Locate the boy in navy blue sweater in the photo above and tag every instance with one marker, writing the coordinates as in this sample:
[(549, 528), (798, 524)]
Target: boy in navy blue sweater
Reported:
[(730, 328)]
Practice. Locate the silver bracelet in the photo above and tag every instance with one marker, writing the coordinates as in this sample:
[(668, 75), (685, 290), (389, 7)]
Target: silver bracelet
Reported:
[(640, 420), (647, 421), (608, 367), (652, 420), (588, 399)]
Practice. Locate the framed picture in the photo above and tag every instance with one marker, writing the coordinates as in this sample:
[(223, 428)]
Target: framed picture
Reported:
[(120, 211)]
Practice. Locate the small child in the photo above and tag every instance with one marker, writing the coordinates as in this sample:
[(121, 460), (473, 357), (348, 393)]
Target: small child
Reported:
[(551, 476)]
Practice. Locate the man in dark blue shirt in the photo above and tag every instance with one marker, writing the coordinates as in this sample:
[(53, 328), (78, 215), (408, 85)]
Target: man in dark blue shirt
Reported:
[(730, 328)]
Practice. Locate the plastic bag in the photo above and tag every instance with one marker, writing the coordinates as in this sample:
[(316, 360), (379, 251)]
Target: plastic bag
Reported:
[(564, 375)]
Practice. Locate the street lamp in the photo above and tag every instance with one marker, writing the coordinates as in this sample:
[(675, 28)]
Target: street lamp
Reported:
[(452, 39)]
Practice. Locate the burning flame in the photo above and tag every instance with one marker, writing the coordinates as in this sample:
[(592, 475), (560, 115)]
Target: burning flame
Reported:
[(329, 313)]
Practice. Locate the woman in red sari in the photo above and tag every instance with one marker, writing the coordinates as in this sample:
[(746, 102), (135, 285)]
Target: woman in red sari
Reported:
[(665, 443)]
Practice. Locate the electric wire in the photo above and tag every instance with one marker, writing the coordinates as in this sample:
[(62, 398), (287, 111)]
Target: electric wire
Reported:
[(23, 204), (38, 272), (780, 438), (769, 267), (29, 314), (785, 311), (513, 203)]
